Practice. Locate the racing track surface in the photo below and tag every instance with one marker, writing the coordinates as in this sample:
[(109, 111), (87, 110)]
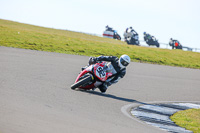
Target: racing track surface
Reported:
[(35, 94)]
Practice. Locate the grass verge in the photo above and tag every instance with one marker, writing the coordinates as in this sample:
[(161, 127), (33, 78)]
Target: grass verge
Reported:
[(18, 35), (189, 119)]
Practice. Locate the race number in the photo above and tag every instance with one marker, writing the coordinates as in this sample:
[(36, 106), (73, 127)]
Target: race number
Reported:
[(100, 72)]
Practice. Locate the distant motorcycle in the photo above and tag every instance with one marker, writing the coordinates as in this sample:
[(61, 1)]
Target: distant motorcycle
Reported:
[(110, 33), (93, 76), (176, 44), (134, 39), (153, 41)]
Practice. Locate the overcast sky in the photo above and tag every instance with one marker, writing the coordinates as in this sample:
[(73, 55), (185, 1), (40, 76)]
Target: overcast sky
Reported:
[(165, 19)]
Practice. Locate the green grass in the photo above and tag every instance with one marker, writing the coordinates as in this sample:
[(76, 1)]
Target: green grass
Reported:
[(189, 119), (13, 34)]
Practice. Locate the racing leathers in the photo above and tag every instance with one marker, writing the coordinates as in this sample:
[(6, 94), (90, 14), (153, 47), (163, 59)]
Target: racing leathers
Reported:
[(129, 33), (147, 38), (117, 71), (175, 44), (109, 28)]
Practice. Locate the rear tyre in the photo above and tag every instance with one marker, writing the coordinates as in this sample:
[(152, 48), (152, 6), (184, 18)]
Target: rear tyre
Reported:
[(81, 82)]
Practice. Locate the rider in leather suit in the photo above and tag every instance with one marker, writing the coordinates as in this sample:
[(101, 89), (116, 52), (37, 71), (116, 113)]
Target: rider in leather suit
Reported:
[(118, 68), (129, 32), (147, 37), (175, 44)]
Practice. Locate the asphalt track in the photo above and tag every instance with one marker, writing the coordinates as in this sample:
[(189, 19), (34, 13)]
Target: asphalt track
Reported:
[(35, 94)]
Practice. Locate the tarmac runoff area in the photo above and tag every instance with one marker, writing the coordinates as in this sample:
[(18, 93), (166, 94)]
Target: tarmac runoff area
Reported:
[(158, 114)]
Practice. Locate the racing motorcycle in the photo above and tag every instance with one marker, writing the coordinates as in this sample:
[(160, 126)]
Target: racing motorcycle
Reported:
[(110, 33), (134, 39), (153, 41), (175, 44), (93, 76)]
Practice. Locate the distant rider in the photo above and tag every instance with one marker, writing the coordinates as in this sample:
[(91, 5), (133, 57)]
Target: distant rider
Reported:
[(129, 32), (118, 67), (174, 43), (109, 28), (147, 37)]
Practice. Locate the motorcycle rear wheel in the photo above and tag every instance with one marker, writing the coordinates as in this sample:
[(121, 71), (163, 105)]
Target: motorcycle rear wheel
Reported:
[(81, 82)]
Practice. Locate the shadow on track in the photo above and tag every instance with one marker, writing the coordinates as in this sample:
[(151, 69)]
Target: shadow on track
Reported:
[(112, 96)]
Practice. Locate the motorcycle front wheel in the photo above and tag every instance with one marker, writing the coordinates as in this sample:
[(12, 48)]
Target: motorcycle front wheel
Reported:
[(81, 82), (118, 37)]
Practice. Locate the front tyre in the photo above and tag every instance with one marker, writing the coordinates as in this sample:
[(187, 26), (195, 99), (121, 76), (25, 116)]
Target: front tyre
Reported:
[(157, 45), (118, 37), (81, 82)]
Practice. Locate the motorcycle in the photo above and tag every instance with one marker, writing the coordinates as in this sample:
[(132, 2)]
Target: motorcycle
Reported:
[(153, 41), (134, 39), (109, 33), (176, 44), (93, 76)]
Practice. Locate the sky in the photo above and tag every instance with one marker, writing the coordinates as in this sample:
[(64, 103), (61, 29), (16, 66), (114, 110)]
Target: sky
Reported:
[(165, 19)]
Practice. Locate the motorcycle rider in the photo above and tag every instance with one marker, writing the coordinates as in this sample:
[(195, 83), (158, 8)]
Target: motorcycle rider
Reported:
[(174, 43), (118, 66), (151, 40), (129, 32), (109, 28), (147, 37)]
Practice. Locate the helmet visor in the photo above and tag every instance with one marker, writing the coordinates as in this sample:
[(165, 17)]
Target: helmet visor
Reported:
[(123, 62)]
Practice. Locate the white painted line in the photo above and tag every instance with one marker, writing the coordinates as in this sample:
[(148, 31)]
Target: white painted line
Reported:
[(189, 105), (150, 115), (160, 109), (171, 128)]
